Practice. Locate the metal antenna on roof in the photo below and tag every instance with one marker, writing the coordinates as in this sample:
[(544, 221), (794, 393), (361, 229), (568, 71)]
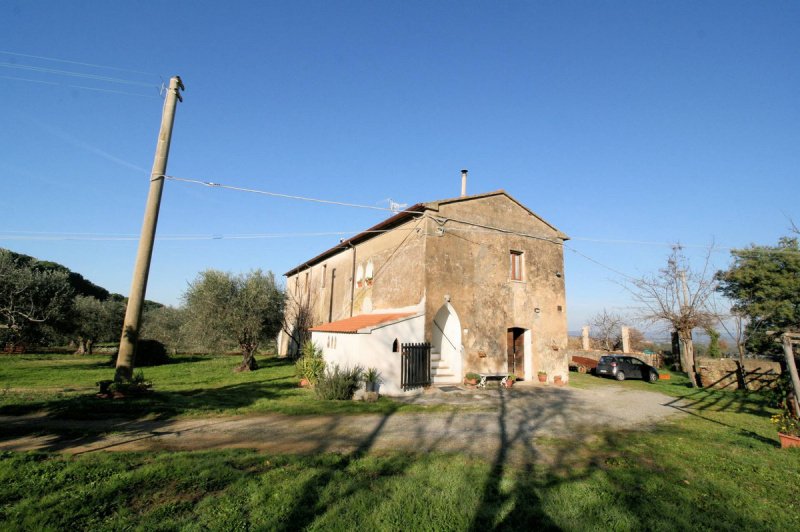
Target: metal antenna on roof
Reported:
[(396, 207)]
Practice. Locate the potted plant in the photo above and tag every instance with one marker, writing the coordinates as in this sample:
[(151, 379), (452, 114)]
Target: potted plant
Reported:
[(372, 379), (557, 379), (471, 379), (788, 429), (510, 380), (542, 376)]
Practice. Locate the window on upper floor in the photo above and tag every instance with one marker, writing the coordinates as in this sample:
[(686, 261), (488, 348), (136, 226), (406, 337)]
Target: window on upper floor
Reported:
[(515, 266)]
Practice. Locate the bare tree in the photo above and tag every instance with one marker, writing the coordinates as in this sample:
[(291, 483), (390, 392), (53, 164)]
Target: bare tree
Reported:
[(637, 340), (678, 296), (298, 319), (605, 328)]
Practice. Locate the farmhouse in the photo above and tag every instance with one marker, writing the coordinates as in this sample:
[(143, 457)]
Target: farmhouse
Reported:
[(480, 278)]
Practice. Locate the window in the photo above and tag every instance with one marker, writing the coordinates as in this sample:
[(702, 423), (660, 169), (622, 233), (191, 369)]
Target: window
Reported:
[(369, 273), (515, 269), (395, 346), (360, 276)]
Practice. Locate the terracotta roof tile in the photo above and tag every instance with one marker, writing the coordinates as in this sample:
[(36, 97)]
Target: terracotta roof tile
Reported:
[(357, 323)]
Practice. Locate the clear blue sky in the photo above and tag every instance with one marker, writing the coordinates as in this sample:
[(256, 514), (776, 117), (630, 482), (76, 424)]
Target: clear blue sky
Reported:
[(642, 122)]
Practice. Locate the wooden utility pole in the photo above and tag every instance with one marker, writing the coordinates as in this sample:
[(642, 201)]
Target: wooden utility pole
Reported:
[(133, 312)]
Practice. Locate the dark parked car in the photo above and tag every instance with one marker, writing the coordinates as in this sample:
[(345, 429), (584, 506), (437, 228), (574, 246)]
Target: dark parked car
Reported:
[(623, 367)]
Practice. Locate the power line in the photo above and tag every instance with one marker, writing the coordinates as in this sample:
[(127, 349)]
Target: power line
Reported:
[(45, 58), (590, 259), (112, 91), (76, 74), (213, 184), (92, 237), (281, 195)]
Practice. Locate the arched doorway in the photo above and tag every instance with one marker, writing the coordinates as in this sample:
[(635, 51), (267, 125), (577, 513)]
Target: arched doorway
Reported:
[(446, 342)]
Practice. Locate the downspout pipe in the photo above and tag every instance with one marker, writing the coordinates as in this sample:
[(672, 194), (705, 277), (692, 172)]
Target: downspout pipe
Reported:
[(352, 279)]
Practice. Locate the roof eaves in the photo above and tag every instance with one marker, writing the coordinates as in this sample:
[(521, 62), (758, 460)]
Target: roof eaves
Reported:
[(367, 234)]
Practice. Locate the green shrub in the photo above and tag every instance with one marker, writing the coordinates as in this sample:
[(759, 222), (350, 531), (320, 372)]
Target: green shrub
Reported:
[(148, 353), (339, 383), (136, 386), (311, 365)]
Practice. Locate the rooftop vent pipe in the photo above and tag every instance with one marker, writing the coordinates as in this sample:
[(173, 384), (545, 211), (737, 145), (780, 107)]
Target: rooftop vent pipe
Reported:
[(463, 183)]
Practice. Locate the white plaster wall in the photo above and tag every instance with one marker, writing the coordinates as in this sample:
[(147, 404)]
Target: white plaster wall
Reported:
[(373, 350), (527, 356)]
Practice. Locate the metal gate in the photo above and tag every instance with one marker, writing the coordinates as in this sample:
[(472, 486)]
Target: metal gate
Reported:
[(415, 366)]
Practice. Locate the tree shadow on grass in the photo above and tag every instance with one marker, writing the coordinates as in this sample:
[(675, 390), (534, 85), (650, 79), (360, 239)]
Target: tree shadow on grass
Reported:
[(308, 507), (606, 482), (84, 419), (588, 480)]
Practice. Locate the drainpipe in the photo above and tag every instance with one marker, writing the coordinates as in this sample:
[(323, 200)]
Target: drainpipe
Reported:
[(352, 279)]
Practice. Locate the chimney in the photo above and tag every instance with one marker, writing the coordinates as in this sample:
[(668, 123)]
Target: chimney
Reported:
[(463, 183)]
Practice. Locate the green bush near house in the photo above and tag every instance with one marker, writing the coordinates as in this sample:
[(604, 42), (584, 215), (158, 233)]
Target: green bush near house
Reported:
[(339, 383), (311, 364)]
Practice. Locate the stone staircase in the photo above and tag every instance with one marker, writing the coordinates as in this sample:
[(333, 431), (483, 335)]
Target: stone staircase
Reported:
[(441, 372)]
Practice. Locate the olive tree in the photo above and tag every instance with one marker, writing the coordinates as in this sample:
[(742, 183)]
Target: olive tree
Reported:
[(31, 297), (96, 320), (169, 326), (226, 310)]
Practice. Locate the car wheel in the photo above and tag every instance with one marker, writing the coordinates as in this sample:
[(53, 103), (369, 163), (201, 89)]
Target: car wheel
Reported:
[(620, 376), (653, 376)]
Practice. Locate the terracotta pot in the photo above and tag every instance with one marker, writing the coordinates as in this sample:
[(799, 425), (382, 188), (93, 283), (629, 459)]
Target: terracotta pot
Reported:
[(509, 384), (471, 382), (557, 380), (787, 440), (304, 383), (542, 378)]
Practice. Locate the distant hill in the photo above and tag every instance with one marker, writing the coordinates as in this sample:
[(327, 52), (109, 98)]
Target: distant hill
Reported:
[(79, 283)]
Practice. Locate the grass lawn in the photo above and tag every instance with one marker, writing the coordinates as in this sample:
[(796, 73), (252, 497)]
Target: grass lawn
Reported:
[(65, 386), (717, 468)]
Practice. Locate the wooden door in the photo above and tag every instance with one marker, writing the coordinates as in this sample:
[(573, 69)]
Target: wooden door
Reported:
[(515, 344)]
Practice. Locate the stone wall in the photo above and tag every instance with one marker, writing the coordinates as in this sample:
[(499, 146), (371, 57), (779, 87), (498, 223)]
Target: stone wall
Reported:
[(723, 373)]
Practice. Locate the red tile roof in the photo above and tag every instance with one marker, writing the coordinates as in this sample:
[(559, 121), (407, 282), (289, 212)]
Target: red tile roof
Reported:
[(357, 323)]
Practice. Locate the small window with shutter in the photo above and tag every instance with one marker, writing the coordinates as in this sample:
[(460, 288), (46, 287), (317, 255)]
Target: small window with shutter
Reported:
[(515, 267)]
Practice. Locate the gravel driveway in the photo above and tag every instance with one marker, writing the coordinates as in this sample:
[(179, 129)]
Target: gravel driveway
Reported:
[(483, 423)]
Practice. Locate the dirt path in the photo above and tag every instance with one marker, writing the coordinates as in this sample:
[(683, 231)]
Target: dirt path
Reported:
[(509, 422)]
